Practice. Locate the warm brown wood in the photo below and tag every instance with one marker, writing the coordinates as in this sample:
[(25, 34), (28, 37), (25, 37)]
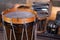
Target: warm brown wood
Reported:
[(54, 12), (59, 31), (14, 20)]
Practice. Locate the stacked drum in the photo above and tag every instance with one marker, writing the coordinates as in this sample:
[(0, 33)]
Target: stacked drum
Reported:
[(19, 23)]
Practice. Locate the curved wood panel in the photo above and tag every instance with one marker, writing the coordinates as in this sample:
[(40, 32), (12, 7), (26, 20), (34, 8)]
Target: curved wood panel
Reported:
[(54, 12)]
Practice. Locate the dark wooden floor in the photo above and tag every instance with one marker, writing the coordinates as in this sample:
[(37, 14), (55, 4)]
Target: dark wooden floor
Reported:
[(38, 37)]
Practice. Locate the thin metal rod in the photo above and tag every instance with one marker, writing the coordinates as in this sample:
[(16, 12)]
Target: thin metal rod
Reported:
[(22, 34), (25, 29), (5, 34), (14, 34), (35, 32), (13, 30), (10, 33)]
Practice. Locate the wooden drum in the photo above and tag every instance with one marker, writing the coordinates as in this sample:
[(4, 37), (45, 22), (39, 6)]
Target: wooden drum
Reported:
[(19, 23), (42, 17)]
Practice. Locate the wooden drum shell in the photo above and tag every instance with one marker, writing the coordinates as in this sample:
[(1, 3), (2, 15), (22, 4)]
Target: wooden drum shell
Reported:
[(18, 22)]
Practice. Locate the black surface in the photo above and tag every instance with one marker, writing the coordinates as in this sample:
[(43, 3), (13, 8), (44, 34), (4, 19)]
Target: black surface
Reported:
[(49, 36), (57, 21)]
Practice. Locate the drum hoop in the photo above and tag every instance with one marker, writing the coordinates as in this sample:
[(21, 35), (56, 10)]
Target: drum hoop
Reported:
[(19, 20)]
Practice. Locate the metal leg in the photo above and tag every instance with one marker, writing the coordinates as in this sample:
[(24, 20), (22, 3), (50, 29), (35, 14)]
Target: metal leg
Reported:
[(22, 34), (32, 33), (10, 33), (14, 33), (35, 32), (5, 34), (26, 33), (13, 30)]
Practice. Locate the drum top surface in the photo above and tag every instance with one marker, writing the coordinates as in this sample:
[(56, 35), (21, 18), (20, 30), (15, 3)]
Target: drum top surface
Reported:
[(19, 14)]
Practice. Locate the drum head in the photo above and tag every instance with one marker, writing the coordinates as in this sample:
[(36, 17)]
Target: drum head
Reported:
[(19, 16)]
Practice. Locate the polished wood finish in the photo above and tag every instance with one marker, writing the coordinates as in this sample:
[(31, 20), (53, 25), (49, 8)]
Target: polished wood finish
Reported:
[(19, 22), (54, 12)]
